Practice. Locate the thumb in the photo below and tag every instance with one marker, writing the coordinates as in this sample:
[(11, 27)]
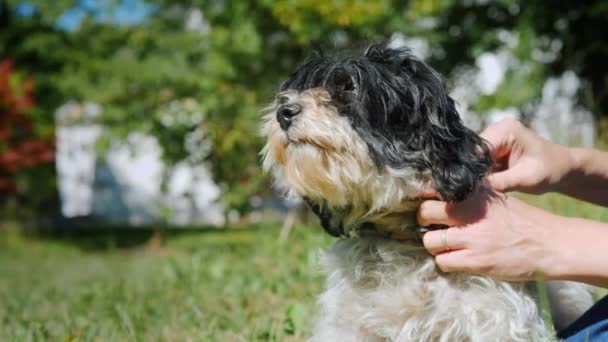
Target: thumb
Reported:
[(502, 181)]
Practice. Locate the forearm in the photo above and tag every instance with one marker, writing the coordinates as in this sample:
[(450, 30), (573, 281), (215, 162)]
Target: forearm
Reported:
[(577, 250), (588, 177)]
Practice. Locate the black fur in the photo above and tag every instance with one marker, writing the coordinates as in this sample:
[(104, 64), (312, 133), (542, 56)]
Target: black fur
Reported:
[(330, 221), (400, 108)]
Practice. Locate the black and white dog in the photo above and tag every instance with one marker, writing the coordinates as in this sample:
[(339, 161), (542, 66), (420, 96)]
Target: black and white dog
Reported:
[(360, 138)]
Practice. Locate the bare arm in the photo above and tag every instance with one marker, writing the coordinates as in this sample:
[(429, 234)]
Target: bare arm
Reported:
[(532, 164), (587, 179), (580, 252)]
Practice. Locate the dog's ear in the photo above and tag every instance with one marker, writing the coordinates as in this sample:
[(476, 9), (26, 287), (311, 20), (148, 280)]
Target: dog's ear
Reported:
[(457, 157), (425, 131)]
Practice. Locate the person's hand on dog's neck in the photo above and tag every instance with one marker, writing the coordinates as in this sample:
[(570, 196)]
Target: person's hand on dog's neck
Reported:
[(500, 236)]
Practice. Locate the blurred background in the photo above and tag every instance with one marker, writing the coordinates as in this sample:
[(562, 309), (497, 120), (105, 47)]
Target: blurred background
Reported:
[(132, 202)]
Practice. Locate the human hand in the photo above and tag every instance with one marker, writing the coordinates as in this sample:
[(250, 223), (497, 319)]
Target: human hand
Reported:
[(526, 162), (490, 234)]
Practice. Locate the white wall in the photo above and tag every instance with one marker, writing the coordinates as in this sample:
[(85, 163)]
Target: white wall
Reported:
[(124, 185)]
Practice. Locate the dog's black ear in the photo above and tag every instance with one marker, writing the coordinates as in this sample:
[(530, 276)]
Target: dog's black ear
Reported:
[(412, 108), (458, 157)]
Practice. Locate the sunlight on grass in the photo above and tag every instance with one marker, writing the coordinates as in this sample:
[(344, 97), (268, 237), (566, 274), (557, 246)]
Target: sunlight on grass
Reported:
[(213, 285), (566, 206), (235, 285)]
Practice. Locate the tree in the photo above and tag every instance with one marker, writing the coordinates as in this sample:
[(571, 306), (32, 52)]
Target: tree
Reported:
[(22, 150), (226, 58)]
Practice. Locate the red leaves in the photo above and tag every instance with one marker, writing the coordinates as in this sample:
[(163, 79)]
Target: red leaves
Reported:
[(15, 97), (19, 146)]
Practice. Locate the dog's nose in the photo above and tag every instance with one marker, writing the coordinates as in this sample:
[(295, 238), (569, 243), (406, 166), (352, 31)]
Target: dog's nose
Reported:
[(286, 113)]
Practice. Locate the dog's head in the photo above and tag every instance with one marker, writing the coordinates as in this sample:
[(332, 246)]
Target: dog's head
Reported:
[(362, 136)]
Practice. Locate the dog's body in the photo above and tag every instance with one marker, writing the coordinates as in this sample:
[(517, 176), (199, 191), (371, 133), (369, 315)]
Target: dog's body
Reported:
[(383, 290), (360, 139)]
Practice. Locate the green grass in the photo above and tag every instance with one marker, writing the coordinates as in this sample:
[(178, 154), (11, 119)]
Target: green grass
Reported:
[(215, 285), (237, 285)]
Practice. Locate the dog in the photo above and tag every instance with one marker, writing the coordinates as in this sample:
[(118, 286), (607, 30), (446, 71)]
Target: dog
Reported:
[(360, 138)]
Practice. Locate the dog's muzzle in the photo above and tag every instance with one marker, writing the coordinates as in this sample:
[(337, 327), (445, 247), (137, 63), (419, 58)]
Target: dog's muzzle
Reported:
[(286, 114)]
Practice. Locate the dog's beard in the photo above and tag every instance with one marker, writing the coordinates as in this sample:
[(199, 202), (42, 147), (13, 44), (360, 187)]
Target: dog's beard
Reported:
[(322, 158)]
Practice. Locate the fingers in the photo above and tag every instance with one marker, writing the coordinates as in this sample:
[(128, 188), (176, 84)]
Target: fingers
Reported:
[(442, 240), (437, 241), (502, 136), (494, 136), (502, 181), (459, 260), (517, 178), (434, 212), (428, 191)]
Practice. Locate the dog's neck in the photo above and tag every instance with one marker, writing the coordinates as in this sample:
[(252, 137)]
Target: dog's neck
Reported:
[(407, 231), (397, 223)]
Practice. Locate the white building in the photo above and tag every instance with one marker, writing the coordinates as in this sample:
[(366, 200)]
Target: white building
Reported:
[(123, 186)]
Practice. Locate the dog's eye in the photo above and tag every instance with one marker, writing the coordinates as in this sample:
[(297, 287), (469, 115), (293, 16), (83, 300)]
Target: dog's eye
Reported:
[(344, 96), (348, 86), (342, 80)]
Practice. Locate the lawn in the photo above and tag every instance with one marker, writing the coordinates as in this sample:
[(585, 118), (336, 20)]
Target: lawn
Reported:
[(236, 285), (212, 285)]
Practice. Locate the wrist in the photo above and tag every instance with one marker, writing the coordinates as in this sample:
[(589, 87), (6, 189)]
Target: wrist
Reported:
[(587, 176), (551, 263), (556, 262), (574, 160), (575, 251)]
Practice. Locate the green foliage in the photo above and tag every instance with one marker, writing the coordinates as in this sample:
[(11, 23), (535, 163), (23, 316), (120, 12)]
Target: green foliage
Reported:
[(602, 133), (231, 65), (522, 84), (566, 206)]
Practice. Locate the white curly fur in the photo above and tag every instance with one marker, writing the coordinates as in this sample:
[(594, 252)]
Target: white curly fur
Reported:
[(384, 290)]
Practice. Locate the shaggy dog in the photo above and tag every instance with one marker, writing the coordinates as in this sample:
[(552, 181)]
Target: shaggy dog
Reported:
[(359, 139)]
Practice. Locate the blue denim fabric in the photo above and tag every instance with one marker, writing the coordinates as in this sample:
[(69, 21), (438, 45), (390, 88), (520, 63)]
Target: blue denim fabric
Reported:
[(591, 327)]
